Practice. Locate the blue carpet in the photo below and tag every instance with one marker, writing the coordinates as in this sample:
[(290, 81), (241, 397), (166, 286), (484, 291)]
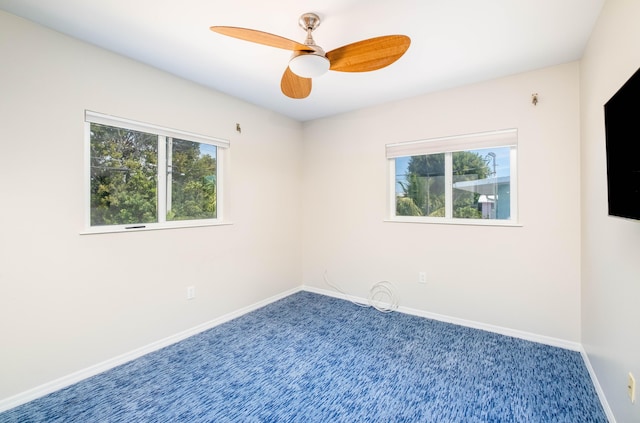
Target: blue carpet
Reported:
[(312, 358)]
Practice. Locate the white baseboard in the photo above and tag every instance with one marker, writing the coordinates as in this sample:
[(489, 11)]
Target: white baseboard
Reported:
[(596, 385), (542, 339), (68, 380)]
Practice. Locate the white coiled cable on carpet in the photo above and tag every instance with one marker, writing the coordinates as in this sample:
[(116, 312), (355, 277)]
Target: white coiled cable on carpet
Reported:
[(382, 295)]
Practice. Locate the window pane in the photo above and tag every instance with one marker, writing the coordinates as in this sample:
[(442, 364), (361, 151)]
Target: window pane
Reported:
[(191, 180), (123, 176), (481, 184), (420, 186)]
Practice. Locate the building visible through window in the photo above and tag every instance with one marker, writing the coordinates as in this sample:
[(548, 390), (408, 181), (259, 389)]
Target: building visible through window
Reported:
[(470, 178)]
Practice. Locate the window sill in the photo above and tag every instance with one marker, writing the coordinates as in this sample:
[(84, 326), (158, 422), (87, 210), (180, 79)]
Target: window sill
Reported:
[(150, 227), (463, 222)]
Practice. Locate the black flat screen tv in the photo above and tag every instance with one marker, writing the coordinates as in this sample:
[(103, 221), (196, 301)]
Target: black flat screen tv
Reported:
[(622, 130)]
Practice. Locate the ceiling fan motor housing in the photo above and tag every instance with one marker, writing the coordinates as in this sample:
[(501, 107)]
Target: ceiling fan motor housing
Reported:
[(313, 62)]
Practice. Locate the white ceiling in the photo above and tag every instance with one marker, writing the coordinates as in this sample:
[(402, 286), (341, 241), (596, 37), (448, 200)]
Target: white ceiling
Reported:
[(454, 42)]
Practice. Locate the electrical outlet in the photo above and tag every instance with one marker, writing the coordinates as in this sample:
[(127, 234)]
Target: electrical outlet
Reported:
[(631, 388), (191, 292), (422, 277)]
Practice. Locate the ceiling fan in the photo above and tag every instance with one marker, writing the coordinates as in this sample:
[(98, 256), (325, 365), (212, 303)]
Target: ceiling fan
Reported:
[(310, 60)]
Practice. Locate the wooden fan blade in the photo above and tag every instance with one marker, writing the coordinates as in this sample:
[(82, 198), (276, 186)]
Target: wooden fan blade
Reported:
[(295, 86), (259, 37), (368, 55)]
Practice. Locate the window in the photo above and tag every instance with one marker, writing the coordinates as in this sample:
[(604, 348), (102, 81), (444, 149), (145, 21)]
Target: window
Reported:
[(143, 176), (461, 179)]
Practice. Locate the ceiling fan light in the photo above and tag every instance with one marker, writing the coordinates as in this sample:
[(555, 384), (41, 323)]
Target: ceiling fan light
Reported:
[(309, 65)]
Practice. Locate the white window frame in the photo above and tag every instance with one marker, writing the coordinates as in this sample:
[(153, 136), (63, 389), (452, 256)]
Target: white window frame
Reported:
[(163, 134), (449, 145)]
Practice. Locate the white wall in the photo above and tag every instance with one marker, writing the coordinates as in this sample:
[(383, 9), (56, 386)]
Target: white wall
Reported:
[(68, 301), (610, 245), (525, 278)]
